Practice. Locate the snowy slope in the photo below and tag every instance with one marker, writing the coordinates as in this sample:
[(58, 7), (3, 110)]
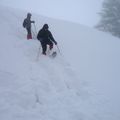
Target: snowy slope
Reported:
[(81, 84)]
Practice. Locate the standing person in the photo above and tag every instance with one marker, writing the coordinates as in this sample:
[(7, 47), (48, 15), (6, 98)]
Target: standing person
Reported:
[(46, 38), (27, 24)]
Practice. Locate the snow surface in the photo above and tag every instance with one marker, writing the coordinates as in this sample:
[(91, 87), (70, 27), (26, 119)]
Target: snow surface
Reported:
[(81, 83)]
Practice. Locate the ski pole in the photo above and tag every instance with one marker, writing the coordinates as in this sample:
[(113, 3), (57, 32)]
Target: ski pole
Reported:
[(58, 49), (33, 34), (35, 28)]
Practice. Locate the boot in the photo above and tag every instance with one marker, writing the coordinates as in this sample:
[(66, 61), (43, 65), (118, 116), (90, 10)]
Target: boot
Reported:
[(50, 47), (44, 53), (29, 36)]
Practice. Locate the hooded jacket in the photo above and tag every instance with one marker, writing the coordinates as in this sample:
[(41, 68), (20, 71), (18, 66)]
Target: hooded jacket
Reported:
[(27, 21), (45, 35)]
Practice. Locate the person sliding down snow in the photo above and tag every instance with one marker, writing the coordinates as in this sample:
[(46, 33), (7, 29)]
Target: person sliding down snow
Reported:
[(46, 38), (27, 24)]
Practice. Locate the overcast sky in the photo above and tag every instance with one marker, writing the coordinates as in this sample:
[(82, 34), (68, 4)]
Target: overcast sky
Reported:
[(80, 11)]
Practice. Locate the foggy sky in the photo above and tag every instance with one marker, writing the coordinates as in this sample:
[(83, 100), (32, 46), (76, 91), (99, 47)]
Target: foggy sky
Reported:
[(80, 11)]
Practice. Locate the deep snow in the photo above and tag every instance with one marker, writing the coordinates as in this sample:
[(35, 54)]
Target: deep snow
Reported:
[(81, 84)]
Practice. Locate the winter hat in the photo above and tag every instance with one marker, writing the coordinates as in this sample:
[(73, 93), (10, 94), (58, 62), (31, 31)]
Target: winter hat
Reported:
[(45, 26), (29, 15)]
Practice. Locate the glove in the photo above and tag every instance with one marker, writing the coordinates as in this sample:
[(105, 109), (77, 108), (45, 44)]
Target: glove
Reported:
[(33, 21), (55, 42)]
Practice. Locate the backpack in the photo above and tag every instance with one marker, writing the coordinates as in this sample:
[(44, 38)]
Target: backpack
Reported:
[(24, 23)]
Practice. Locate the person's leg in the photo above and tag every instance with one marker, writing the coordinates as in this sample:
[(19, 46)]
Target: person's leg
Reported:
[(50, 44), (44, 47), (29, 35)]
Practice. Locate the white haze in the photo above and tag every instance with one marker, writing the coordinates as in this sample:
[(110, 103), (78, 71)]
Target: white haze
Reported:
[(81, 83), (80, 11)]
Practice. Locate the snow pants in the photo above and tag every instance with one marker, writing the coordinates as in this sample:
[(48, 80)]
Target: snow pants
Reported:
[(44, 44), (29, 35)]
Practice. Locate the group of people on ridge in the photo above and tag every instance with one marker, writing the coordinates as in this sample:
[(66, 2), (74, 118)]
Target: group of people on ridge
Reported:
[(44, 35)]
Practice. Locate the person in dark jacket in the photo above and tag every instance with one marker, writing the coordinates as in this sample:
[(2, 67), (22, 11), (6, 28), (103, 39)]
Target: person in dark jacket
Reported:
[(27, 24), (46, 38)]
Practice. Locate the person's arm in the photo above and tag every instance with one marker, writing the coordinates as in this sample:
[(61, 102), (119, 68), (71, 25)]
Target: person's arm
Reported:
[(52, 38), (33, 21), (38, 35)]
